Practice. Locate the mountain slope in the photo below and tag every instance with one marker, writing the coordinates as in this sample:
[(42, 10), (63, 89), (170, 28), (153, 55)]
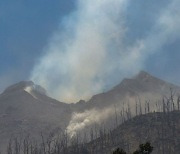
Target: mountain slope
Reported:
[(143, 87), (160, 129), (25, 109)]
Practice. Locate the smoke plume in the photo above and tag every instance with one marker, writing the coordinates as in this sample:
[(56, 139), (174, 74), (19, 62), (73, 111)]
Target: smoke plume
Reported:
[(87, 118), (90, 52)]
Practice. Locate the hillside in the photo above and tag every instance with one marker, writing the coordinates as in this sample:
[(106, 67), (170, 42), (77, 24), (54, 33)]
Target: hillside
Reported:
[(143, 86), (161, 129), (140, 94), (25, 109)]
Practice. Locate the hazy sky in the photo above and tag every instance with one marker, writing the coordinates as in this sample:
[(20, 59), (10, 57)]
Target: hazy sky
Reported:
[(25, 27), (28, 26)]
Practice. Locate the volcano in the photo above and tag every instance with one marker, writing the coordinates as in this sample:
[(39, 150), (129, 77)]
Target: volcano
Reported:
[(26, 108)]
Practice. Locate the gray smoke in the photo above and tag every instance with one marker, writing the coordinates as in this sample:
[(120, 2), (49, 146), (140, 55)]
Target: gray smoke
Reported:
[(91, 54)]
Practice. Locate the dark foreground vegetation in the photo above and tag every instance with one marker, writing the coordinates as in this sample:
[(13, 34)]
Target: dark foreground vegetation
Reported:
[(143, 149), (161, 129)]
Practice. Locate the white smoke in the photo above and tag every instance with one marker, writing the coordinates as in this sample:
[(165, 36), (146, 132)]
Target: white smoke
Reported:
[(90, 55), (29, 89), (81, 120)]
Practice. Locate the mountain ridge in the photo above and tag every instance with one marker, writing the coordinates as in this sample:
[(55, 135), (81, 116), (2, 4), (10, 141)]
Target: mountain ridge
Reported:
[(142, 86), (26, 107)]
